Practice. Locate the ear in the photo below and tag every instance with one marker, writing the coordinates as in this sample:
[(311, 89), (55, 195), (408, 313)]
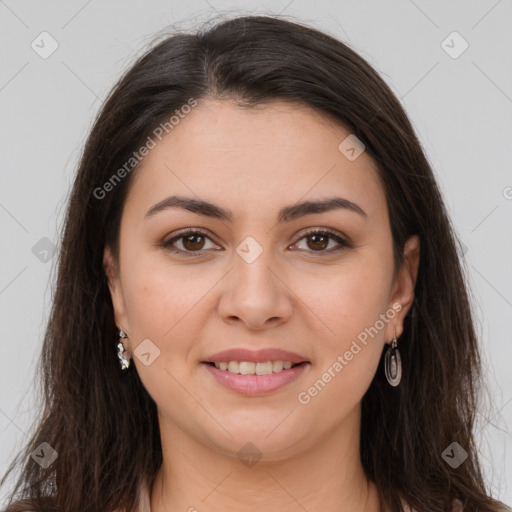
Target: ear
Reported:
[(116, 291), (403, 287)]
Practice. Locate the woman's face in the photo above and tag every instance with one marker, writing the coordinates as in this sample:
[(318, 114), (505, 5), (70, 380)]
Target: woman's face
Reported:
[(254, 279)]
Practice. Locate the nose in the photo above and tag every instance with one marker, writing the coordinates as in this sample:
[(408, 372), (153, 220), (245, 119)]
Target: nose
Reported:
[(256, 294)]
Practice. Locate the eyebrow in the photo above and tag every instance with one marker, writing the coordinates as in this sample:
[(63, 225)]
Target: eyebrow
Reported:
[(286, 214)]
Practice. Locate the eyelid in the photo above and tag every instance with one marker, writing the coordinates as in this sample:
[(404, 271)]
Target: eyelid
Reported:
[(329, 231), (181, 233), (341, 239), (192, 230)]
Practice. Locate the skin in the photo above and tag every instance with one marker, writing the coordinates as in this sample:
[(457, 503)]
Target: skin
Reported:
[(254, 162)]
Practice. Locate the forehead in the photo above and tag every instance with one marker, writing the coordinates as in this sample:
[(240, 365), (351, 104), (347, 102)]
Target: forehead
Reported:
[(269, 155)]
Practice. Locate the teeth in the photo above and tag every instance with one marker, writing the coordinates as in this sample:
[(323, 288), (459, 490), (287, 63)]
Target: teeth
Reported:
[(277, 366), (263, 368), (246, 368), (251, 368)]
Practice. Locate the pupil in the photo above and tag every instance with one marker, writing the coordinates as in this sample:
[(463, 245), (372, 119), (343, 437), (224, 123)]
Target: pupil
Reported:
[(189, 240), (322, 243)]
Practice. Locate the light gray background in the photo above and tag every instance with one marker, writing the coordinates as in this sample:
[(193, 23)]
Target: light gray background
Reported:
[(461, 109)]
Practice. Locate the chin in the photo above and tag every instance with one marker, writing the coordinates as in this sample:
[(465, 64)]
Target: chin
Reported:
[(266, 444)]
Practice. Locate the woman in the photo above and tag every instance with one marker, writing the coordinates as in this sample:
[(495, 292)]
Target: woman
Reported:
[(259, 303)]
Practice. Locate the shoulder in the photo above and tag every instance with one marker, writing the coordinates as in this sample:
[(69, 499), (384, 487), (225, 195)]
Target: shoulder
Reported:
[(143, 503), (457, 506)]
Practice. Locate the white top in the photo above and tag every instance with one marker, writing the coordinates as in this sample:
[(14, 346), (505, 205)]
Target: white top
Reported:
[(144, 504)]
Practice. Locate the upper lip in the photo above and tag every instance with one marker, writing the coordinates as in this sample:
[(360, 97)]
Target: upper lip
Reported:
[(255, 356)]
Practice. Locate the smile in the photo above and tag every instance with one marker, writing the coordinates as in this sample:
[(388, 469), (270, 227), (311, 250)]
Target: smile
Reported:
[(243, 377), (252, 368)]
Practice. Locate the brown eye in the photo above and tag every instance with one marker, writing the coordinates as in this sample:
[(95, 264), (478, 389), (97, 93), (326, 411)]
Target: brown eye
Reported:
[(189, 242), (193, 242), (319, 240)]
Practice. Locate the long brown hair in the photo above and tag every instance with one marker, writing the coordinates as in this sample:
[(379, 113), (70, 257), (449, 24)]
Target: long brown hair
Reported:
[(103, 423)]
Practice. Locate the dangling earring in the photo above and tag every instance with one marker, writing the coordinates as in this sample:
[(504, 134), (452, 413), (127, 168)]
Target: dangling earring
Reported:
[(393, 364), (123, 354)]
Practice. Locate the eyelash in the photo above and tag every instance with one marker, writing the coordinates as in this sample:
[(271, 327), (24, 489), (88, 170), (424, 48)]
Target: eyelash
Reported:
[(344, 244)]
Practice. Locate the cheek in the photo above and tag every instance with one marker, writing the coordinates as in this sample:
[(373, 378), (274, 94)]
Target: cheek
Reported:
[(156, 302), (349, 299), (163, 305), (352, 305), (165, 302)]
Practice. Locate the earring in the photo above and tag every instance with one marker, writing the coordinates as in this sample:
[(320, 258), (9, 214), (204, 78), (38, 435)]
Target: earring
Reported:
[(123, 354), (393, 364)]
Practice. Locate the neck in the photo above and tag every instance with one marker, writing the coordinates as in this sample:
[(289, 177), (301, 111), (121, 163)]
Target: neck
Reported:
[(328, 476)]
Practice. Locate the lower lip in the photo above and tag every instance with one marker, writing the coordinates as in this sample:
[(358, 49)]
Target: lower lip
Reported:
[(256, 385)]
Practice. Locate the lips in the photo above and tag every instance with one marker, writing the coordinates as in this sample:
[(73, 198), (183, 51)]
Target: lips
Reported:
[(255, 356), (256, 385), (290, 366)]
